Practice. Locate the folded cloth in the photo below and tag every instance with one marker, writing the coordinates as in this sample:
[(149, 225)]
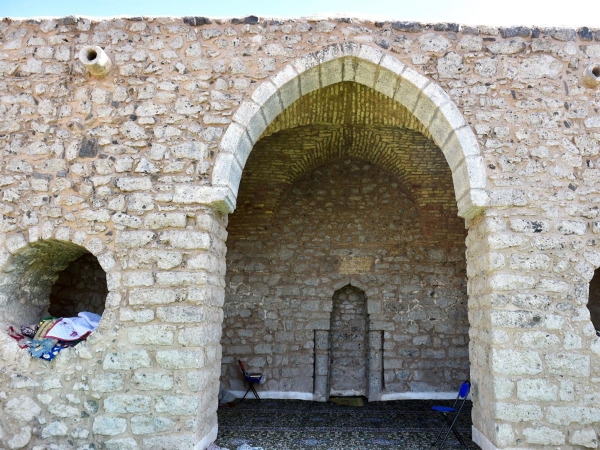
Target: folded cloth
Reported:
[(45, 325), (74, 328), (40, 347), (47, 348)]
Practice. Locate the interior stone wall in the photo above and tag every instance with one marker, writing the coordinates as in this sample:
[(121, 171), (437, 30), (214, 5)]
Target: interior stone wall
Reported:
[(81, 286), (279, 288)]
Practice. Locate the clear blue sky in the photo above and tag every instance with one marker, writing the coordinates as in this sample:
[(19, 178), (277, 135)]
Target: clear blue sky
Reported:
[(572, 13)]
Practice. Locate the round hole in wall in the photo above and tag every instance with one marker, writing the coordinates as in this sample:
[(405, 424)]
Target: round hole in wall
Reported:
[(596, 71), (50, 277), (91, 54)]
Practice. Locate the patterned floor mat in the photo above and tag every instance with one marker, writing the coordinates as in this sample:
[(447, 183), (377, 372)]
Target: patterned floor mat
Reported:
[(296, 424)]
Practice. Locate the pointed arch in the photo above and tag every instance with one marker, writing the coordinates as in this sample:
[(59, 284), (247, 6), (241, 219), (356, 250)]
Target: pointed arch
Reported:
[(370, 67)]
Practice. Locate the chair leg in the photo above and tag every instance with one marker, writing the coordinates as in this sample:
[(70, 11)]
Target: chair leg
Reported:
[(244, 397), (254, 391), (460, 438), (449, 430), (441, 430)]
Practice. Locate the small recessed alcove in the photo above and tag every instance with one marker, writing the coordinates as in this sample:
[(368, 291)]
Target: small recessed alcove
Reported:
[(51, 277)]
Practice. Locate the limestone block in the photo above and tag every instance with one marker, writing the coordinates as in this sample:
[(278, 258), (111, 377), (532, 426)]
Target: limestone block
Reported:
[(200, 336), (188, 240), (569, 227), (21, 439), (249, 116), (163, 442), (537, 339), (503, 388), (165, 220), (507, 281), (121, 444), (544, 436), (563, 364), (540, 66), (127, 404), (509, 47), (177, 405), (152, 335), (331, 72), (134, 239), (151, 381), (63, 411), (134, 279), (365, 72), (516, 319), (512, 362), (180, 359), (181, 278), (151, 425), (22, 408), (386, 83), (132, 359), (155, 296), (56, 429), (565, 415), (182, 314), (586, 438), (140, 203), (137, 315), (510, 412), (130, 184), (107, 382), (536, 390), (108, 426)]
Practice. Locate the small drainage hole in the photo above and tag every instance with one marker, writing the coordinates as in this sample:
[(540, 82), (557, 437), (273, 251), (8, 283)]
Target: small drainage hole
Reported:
[(92, 55)]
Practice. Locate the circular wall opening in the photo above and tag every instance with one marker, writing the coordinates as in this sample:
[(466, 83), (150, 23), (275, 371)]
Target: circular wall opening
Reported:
[(91, 55), (596, 71), (51, 277)]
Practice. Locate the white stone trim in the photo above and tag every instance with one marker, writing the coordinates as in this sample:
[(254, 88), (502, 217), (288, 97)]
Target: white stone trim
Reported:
[(420, 95), (208, 439), (285, 395), (479, 438), (280, 395), (418, 396)]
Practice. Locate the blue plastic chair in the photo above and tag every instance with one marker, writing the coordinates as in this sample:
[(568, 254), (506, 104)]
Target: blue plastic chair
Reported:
[(447, 412), (251, 378)]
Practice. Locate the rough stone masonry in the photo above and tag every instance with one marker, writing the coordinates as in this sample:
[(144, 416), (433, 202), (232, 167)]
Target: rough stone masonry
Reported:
[(354, 152)]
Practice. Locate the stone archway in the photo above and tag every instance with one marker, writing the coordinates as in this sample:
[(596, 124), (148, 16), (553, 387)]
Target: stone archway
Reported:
[(433, 112), (366, 66)]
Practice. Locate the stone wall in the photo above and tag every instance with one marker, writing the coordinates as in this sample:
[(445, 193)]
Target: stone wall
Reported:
[(141, 167), (280, 288)]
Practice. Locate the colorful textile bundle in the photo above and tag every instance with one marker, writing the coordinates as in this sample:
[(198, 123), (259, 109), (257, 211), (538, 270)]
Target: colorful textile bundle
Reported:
[(46, 339)]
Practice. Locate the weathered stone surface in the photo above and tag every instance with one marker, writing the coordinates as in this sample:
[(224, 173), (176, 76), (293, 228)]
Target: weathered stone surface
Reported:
[(127, 404), (108, 426), (22, 408), (176, 405), (150, 381), (151, 425), (127, 360)]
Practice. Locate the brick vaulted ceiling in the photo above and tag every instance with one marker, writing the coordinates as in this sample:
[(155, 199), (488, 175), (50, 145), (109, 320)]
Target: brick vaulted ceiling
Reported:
[(341, 120)]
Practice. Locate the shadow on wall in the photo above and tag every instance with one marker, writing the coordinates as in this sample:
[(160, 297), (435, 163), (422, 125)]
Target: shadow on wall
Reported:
[(594, 300)]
